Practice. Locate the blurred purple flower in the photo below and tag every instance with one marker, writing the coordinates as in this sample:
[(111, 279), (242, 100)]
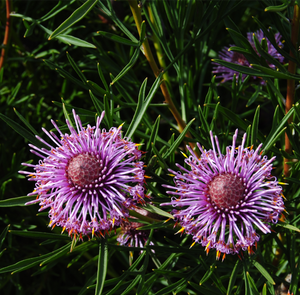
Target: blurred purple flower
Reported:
[(89, 178), (130, 236), (226, 197), (238, 58)]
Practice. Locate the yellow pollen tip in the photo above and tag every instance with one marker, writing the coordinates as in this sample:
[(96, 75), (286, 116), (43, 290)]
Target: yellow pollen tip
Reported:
[(180, 231), (93, 232), (167, 220), (64, 228), (114, 221), (207, 246), (193, 245), (184, 154)]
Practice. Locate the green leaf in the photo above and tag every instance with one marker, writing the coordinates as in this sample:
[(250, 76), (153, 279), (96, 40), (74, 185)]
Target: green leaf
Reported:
[(272, 137), (142, 105), (76, 16), (158, 211), (76, 68), (265, 55), (252, 285), (61, 5), (96, 88), (179, 139), (19, 201), (25, 122), (171, 287), (254, 96), (66, 114), (132, 284), (239, 49), (3, 235), (67, 39), (102, 266), (39, 235), (71, 40), (102, 77), (128, 66), (30, 262), (125, 274), (63, 251), (244, 69), (273, 73), (276, 8), (233, 277), (207, 275), (254, 129), (110, 13), (233, 117), (264, 272), (21, 130), (64, 73), (153, 135), (116, 38), (291, 227), (96, 103)]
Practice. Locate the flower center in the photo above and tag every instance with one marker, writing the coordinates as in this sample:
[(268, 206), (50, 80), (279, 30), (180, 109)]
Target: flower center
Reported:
[(83, 169), (226, 190)]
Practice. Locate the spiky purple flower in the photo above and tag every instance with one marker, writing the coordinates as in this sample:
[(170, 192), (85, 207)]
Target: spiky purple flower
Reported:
[(88, 178), (225, 198), (130, 235), (238, 58)]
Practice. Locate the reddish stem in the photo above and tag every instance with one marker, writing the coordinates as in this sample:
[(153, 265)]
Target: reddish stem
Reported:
[(290, 94), (6, 34)]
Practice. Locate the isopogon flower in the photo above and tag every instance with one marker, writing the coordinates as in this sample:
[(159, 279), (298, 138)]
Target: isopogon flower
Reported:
[(88, 178), (226, 198), (130, 235), (238, 58)]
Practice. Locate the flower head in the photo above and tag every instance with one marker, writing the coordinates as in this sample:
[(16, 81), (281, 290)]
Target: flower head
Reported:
[(238, 58), (225, 198), (88, 178), (130, 235)]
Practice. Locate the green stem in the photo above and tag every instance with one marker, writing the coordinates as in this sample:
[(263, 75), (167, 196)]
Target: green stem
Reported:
[(290, 94), (136, 12)]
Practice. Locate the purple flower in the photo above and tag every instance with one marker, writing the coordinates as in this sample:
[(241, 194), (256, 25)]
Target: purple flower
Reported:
[(225, 198), (88, 178), (130, 236), (238, 58)]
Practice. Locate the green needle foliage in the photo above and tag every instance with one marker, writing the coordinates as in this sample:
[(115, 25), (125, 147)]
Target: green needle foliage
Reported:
[(91, 56)]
